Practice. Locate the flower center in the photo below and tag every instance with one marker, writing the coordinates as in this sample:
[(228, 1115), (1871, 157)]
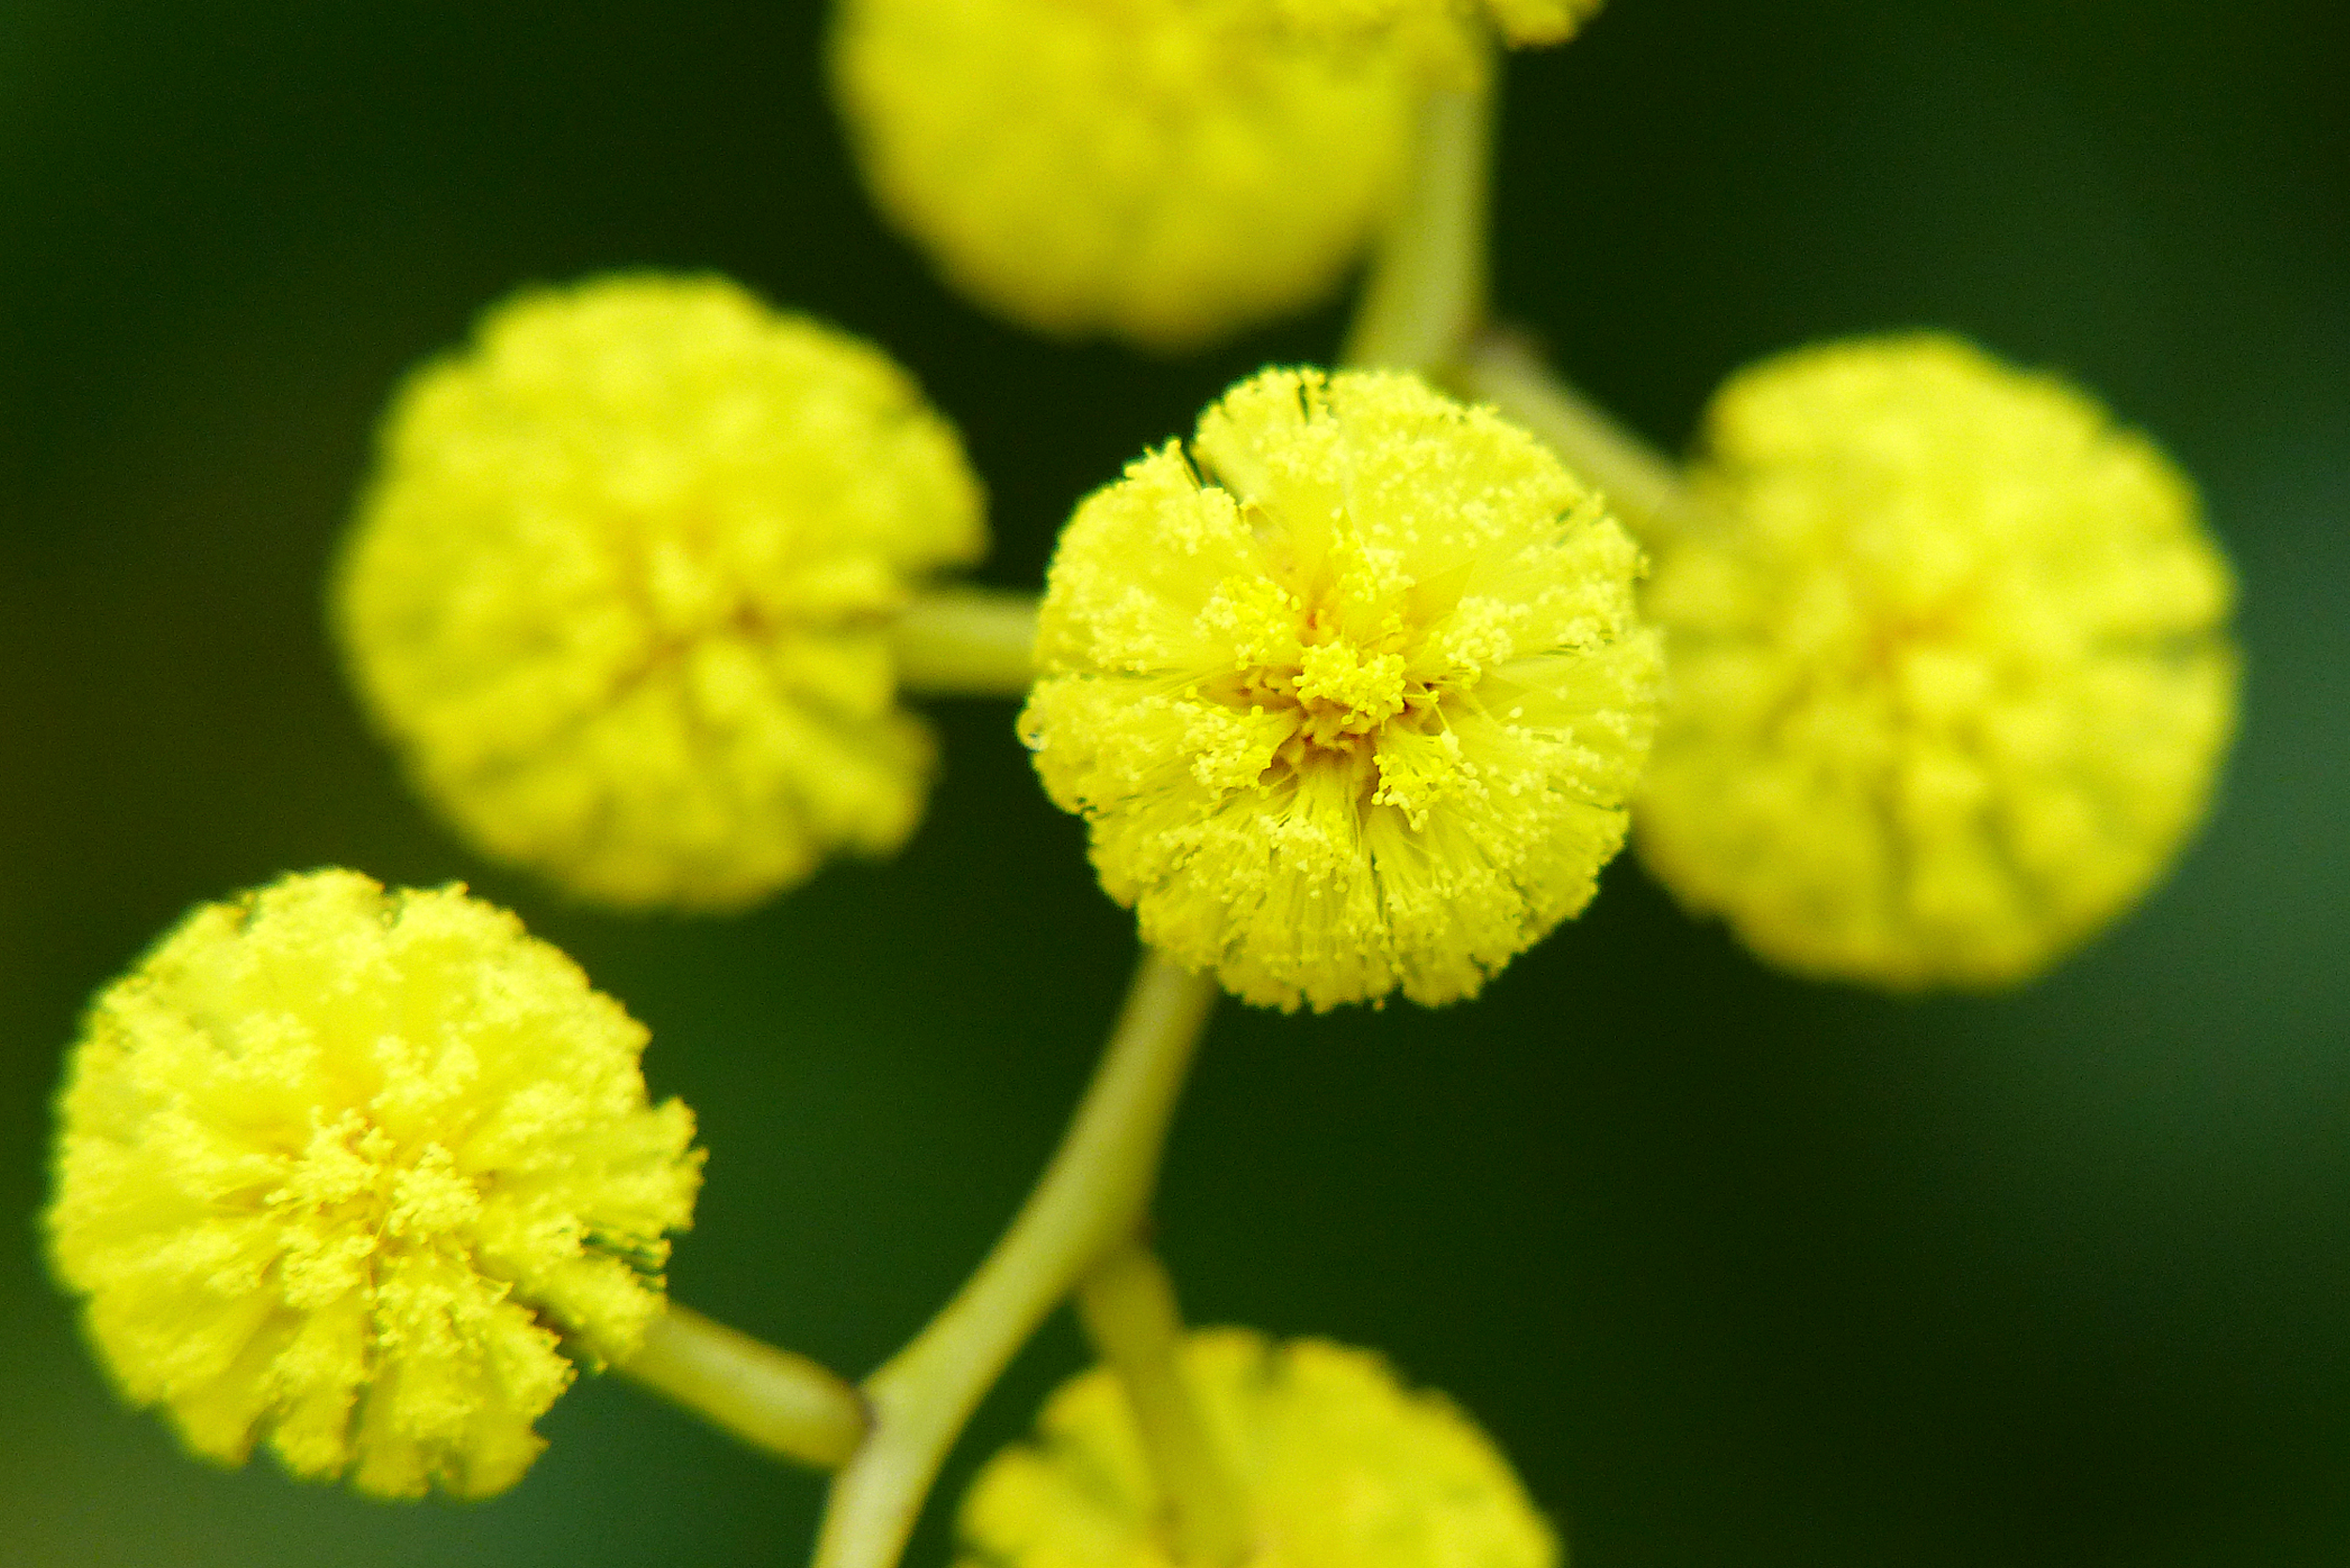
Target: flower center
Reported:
[(1340, 694), (351, 1193)]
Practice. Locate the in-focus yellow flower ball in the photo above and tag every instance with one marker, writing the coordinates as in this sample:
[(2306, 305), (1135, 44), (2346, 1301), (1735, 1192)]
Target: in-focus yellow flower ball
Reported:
[(1953, 681), (1351, 696), (621, 589), (1339, 1465), (1163, 172), (348, 1170)]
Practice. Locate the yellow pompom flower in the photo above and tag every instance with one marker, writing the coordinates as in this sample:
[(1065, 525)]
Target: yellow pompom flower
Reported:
[(1352, 697), (1161, 172), (1952, 680), (354, 1170), (620, 591), (1340, 1465)]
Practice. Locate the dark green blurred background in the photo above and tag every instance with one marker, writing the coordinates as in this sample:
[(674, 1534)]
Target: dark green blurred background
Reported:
[(1742, 1271)]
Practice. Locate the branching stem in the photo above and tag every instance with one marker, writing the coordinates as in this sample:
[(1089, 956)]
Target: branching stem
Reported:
[(1092, 1198), (1643, 485)]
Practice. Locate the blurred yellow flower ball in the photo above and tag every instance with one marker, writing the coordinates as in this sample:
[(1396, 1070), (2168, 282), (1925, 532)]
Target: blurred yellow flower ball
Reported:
[(1339, 1465), (620, 591), (1952, 681), (1164, 172)]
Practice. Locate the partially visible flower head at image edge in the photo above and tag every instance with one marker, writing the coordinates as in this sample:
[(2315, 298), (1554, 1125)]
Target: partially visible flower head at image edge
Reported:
[(1951, 675), (1160, 172), (1340, 1465), (1351, 692), (363, 1174), (621, 589)]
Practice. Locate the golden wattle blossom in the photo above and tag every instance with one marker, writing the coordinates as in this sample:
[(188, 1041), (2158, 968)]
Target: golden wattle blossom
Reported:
[(1352, 692), (1952, 677), (621, 589), (1339, 1464), (361, 1174), (1164, 172)]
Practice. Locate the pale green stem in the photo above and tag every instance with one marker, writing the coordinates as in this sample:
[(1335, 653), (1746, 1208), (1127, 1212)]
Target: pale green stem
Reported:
[(1091, 1196), (1127, 1304), (774, 1400), (1426, 293), (1643, 486), (957, 640)]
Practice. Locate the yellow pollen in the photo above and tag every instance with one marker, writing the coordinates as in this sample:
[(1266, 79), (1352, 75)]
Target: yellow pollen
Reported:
[(1339, 693)]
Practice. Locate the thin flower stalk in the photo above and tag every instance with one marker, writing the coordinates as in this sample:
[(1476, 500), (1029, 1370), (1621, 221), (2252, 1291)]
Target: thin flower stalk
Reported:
[(1091, 1195)]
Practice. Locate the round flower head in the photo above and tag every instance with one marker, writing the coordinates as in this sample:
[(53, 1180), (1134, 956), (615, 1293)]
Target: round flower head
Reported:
[(344, 1167), (1353, 699), (1159, 171), (620, 591), (1341, 1467), (1952, 681)]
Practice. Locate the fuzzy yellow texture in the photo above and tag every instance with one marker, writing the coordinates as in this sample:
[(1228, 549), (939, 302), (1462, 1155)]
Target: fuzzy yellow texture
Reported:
[(1163, 172), (1354, 699), (1954, 683), (342, 1167), (621, 589), (1341, 1467)]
